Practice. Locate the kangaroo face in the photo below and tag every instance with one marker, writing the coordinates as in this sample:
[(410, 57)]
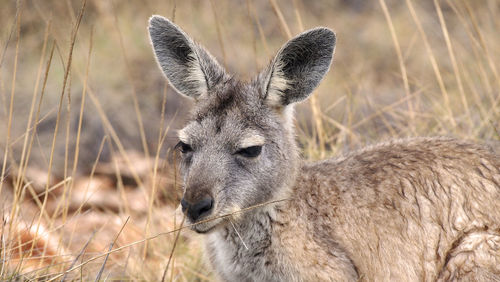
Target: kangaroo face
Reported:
[(238, 148), (235, 154)]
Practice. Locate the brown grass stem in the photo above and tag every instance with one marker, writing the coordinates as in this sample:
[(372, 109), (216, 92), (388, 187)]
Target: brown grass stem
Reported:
[(114, 136), (173, 249), (284, 26), (259, 27), (65, 79), (434, 63), (99, 274), (12, 93), (23, 163), (142, 133), (402, 65), (161, 139), (219, 33), (80, 118), (79, 254), (453, 60)]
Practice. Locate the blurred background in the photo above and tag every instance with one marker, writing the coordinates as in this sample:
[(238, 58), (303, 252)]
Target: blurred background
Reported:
[(87, 122)]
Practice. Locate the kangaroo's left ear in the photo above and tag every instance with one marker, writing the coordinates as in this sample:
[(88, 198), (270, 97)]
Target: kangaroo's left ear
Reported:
[(299, 67), (189, 68)]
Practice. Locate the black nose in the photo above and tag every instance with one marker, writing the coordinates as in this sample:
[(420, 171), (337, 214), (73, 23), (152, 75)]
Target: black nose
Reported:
[(199, 209)]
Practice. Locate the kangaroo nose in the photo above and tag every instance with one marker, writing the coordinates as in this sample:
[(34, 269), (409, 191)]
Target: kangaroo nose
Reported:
[(199, 209)]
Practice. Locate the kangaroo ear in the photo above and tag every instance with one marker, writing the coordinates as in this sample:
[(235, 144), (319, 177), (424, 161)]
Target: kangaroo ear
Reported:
[(299, 67), (189, 68)]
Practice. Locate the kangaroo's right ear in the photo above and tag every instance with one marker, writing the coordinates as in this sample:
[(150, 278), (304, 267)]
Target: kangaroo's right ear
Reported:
[(299, 67), (189, 68)]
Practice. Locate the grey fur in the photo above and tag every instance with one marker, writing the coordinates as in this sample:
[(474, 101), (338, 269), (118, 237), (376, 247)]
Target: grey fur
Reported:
[(420, 209)]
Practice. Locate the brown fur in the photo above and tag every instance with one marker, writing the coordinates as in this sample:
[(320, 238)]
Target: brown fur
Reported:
[(407, 210)]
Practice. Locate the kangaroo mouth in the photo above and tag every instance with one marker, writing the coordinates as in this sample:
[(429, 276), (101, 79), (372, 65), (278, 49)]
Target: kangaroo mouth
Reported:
[(205, 225)]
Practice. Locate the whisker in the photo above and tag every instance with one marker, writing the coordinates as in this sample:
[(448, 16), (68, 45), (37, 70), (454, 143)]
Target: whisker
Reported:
[(238, 233)]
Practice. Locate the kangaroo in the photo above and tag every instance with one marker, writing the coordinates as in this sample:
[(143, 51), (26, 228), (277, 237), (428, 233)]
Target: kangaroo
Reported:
[(417, 209)]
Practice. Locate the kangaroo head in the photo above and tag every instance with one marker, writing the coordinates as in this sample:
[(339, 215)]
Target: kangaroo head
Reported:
[(238, 149)]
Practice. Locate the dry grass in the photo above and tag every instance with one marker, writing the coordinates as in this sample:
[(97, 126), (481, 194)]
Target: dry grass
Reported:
[(88, 187)]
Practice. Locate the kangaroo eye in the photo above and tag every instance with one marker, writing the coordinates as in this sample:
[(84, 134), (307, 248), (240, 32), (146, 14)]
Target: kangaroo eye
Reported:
[(250, 152), (183, 147)]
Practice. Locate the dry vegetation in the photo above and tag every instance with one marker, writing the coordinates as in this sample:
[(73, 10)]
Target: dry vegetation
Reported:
[(88, 187)]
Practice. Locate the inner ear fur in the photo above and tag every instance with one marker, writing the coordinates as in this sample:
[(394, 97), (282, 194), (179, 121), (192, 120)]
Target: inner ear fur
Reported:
[(299, 67)]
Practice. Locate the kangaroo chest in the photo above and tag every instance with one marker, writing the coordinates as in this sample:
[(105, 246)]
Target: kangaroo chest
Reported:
[(267, 248), (249, 252)]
